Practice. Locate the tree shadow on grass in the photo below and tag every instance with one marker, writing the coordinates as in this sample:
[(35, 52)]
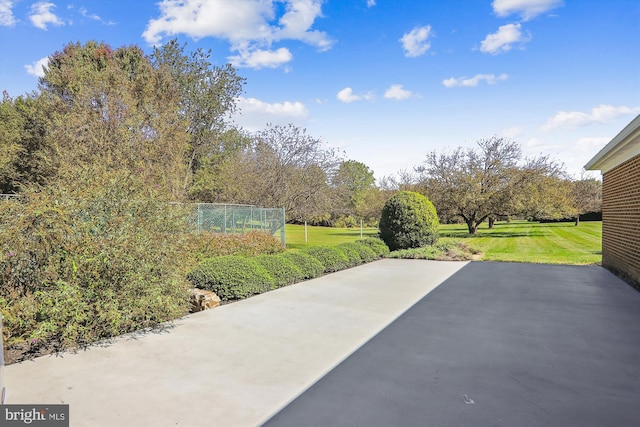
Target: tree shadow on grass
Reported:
[(497, 235), (497, 232)]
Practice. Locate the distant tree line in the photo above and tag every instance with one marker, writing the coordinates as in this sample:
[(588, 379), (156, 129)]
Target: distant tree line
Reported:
[(494, 181), (160, 126)]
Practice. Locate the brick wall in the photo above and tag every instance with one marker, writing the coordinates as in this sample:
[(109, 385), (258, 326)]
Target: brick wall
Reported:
[(621, 220)]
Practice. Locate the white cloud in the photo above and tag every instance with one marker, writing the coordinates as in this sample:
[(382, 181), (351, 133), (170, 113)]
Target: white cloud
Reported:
[(473, 81), (261, 58), (416, 42), (84, 12), (41, 15), (297, 21), (527, 9), (592, 144), (6, 14), (371, 3), (600, 114), (237, 21), (36, 68), (250, 26), (397, 92), (255, 114), (503, 40), (346, 95)]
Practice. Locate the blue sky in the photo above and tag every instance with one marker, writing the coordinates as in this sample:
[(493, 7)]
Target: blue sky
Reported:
[(386, 81)]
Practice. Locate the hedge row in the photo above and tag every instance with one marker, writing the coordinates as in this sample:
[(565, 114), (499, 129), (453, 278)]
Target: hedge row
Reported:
[(236, 277)]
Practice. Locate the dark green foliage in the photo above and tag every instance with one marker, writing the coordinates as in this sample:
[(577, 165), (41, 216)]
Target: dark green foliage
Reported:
[(377, 246), (331, 258), (232, 277), (281, 268), (408, 220), (308, 265), (364, 252)]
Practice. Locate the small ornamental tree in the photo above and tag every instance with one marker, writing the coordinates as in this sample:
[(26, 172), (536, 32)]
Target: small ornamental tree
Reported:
[(408, 220)]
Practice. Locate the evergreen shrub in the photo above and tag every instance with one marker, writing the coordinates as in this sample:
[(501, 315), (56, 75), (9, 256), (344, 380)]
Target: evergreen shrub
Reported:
[(281, 268), (364, 252), (309, 266), (408, 220), (331, 258), (232, 277), (376, 245), (352, 254)]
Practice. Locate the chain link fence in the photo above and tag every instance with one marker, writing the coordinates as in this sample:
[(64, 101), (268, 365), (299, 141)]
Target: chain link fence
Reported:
[(225, 218)]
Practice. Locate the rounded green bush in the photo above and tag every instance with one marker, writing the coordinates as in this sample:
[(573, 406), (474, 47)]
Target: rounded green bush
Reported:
[(308, 265), (282, 269), (231, 277), (331, 258), (408, 220)]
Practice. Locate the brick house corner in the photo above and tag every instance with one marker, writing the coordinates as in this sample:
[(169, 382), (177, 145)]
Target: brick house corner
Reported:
[(619, 162)]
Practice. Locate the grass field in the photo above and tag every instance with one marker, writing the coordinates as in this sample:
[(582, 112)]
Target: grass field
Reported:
[(520, 241), (324, 236), (523, 241)]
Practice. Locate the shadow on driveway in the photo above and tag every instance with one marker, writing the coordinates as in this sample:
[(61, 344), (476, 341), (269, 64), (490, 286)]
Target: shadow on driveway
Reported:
[(495, 344)]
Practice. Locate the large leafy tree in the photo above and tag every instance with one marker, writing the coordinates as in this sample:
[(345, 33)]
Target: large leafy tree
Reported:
[(355, 191), (207, 99), (294, 171), (283, 166), (86, 261), (587, 196), (485, 182), (113, 114), (221, 177)]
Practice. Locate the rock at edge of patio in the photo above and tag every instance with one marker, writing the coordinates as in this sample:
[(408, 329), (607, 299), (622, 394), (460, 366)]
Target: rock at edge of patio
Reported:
[(203, 300)]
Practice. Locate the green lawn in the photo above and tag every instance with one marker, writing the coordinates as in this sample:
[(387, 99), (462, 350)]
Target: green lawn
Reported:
[(523, 241), (324, 236)]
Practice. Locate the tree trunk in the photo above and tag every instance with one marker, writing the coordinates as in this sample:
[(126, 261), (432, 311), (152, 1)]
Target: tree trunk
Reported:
[(577, 219), (491, 222), (472, 226)]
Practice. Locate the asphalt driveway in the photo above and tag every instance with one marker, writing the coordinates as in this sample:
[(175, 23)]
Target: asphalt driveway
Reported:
[(495, 344)]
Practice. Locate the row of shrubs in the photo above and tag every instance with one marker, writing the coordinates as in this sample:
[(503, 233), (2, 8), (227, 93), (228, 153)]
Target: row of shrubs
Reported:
[(235, 277)]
